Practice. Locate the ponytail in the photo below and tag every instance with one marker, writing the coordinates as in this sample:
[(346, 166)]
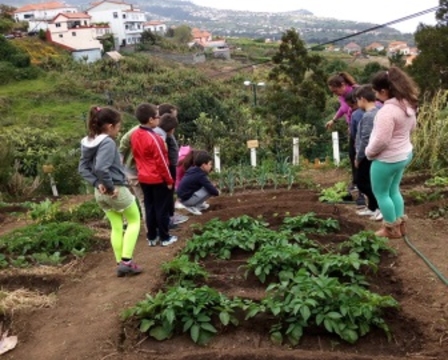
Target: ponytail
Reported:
[(399, 85), (98, 117), (340, 79)]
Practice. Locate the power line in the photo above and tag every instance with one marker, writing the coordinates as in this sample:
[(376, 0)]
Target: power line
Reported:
[(393, 22)]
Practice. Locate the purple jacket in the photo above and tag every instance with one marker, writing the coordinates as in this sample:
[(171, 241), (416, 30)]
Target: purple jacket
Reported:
[(344, 109)]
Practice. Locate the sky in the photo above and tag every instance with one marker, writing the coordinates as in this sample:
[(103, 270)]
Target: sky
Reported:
[(380, 12)]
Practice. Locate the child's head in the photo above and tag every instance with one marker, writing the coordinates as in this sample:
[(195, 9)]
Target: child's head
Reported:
[(203, 160), (338, 83), (350, 99), (395, 83), (168, 123), (103, 121), (148, 115), (167, 109), (365, 96)]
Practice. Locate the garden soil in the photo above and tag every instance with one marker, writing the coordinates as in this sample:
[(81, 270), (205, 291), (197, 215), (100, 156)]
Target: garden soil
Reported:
[(85, 322)]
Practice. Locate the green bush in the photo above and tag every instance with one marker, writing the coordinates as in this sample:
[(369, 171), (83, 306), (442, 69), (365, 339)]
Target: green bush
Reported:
[(54, 239)]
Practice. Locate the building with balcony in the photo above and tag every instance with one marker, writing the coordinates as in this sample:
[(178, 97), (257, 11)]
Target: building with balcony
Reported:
[(155, 26), (74, 32), (125, 20), (39, 15)]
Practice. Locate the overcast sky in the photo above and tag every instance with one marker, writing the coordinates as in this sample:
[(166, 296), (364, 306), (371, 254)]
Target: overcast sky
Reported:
[(378, 11)]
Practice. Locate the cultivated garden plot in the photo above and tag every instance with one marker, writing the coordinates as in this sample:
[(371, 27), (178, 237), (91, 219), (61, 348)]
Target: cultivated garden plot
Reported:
[(265, 305)]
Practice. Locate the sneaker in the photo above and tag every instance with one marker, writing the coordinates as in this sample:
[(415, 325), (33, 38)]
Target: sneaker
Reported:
[(203, 206), (153, 242), (377, 216), (360, 202), (171, 240), (128, 268), (194, 210), (178, 205), (172, 225), (179, 219), (365, 212)]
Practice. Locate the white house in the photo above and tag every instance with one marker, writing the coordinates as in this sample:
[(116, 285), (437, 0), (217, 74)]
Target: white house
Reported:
[(399, 47), (125, 20), (39, 15), (74, 32), (155, 26)]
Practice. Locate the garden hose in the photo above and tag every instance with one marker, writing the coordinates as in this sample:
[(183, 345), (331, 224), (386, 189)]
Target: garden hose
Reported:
[(429, 263)]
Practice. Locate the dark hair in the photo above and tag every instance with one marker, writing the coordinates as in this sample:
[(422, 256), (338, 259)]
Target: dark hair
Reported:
[(168, 122), (350, 97), (166, 109), (202, 157), (398, 84), (340, 79), (99, 117), (187, 161), (365, 92), (144, 112)]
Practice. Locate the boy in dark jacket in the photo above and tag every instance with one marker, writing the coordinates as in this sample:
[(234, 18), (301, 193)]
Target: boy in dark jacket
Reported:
[(195, 187)]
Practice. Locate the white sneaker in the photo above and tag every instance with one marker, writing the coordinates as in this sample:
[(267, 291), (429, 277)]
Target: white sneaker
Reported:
[(171, 240), (153, 242), (194, 210), (177, 219), (203, 206), (365, 212), (178, 205), (377, 216)]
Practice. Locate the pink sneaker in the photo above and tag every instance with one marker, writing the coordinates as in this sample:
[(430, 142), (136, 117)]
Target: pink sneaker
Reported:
[(128, 268)]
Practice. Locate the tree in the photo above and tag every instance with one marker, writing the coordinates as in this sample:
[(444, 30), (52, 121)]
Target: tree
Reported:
[(430, 68), (397, 59), (442, 13), (182, 34)]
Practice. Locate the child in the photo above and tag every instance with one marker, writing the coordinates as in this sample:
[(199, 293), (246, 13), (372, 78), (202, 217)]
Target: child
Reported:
[(151, 158), (131, 170), (101, 166), (366, 101), (390, 145), (166, 128), (355, 118), (195, 187)]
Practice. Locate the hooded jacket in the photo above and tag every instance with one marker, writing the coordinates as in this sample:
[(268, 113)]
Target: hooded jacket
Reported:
[(100, 162), (195, 178), (151, 157), (390, 140)]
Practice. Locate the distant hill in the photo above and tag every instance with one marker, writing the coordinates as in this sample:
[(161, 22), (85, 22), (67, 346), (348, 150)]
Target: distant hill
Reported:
[(254, 24)]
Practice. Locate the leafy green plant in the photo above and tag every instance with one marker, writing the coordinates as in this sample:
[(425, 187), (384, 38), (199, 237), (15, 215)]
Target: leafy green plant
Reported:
[(181, 310), (85, 212), (45, 211), (437, 181), (310, 223), (421, 197), (368, 246), (46, 259), (46, 238), (182, 271), (20, 262), (348, 311), (335, 193)]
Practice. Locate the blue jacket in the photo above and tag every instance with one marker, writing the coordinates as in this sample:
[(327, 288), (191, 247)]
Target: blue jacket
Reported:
[(194, 179)]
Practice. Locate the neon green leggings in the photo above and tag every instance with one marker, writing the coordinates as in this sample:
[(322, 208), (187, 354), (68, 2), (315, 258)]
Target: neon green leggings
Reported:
[(386, 179), (123, 245)]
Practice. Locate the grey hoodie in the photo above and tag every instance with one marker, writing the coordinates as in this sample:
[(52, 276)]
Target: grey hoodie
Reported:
[(100, 162)]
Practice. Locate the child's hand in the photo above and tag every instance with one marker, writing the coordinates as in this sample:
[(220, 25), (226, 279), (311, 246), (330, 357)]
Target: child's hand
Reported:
[(170, 187), (102, 189), (115, 193)]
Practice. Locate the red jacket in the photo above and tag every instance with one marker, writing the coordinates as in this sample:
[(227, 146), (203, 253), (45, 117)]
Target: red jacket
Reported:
[(151, 157)]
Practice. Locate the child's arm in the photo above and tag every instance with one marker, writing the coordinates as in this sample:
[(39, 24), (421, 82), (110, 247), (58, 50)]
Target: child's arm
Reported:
[(161, 159), (104, 159), (381, 133), (206, 183), (86, 171)]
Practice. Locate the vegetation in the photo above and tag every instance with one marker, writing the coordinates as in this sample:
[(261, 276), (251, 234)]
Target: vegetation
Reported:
[(309, 286)]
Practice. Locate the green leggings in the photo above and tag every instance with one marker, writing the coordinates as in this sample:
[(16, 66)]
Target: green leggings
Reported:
[(123, 245), (386, 178)]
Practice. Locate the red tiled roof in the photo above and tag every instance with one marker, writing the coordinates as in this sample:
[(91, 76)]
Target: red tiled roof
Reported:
[(197, 33), (42, 6), (74, 15), (153, 23)]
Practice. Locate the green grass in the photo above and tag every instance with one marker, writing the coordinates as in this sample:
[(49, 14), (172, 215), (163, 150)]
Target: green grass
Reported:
[(27, 87)]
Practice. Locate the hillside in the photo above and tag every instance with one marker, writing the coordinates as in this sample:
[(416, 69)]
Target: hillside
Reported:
[(255, 24)]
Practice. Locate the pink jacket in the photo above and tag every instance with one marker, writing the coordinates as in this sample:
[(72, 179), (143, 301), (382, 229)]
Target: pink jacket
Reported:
[(180, 171), (390, 140)]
